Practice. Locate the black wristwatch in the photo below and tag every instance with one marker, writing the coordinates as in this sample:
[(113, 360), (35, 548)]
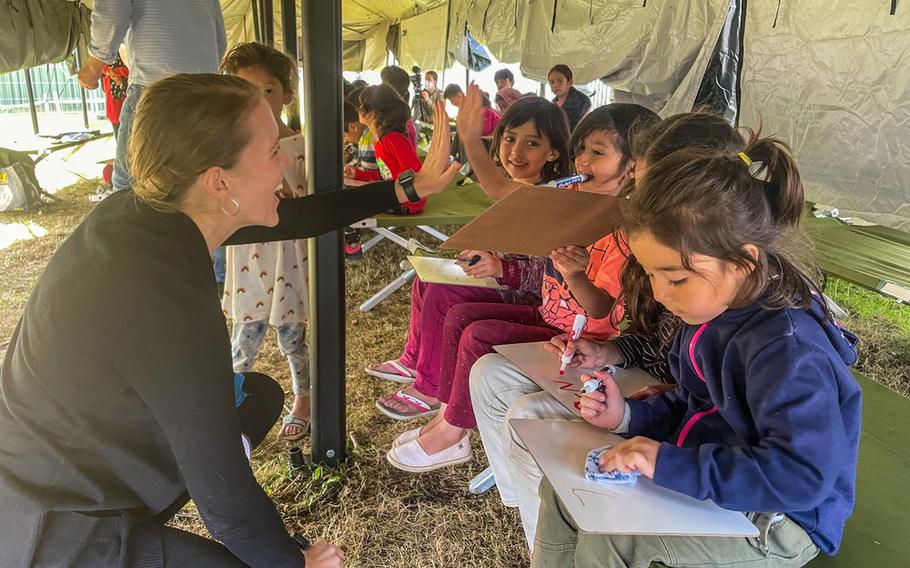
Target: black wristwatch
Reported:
[(406, 179)]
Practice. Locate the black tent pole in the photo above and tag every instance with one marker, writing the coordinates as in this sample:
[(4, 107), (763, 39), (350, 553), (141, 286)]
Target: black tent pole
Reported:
[(267, 19), (289, 27), (81, 90), (257, 26), (322, 97), (31, 98)]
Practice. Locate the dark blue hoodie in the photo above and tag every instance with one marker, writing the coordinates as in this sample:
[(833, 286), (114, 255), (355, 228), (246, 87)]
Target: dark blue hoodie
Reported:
[(766, 417)]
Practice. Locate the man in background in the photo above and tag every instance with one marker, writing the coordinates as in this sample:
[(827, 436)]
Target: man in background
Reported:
[(162, 38)]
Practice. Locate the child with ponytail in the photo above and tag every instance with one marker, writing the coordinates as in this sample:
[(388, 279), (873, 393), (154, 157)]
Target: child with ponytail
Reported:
[(766, 415)]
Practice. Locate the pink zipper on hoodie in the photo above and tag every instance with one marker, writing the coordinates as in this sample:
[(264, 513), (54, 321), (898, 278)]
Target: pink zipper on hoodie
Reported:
[(701, 414)]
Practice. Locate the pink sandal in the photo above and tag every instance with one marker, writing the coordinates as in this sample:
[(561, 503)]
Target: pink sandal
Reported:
[(401, 375), (418, 407)]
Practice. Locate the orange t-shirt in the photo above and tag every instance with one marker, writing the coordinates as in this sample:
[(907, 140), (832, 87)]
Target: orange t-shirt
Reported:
[(559, 307)]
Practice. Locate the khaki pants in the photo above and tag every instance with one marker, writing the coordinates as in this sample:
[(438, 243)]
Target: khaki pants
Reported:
[(559, 544), (500, 392)]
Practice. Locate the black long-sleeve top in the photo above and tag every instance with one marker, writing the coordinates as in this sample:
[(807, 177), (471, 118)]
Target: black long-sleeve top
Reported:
[(116, 391)]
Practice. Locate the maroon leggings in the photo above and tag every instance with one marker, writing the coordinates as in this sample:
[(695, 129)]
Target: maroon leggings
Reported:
[(470, 332)]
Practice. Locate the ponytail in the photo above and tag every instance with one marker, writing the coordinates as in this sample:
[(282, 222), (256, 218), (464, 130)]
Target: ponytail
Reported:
[(715, 202), (773, 163)]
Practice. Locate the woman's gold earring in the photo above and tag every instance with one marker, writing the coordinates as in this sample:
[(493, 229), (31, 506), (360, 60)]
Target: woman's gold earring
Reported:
[(234, 202)]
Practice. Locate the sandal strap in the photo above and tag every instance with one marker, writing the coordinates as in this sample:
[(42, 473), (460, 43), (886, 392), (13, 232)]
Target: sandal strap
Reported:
[(412, 400), (405, 372)]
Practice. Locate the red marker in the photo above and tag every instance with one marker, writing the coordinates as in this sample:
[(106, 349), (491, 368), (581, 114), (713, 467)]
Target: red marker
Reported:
[(577, 327)]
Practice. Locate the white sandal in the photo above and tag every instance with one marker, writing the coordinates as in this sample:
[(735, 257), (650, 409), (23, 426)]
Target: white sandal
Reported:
[(404, 374), (411, 457)]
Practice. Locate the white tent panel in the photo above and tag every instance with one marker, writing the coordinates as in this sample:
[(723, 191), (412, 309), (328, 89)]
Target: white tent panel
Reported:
[(832, 78), (423, 40)]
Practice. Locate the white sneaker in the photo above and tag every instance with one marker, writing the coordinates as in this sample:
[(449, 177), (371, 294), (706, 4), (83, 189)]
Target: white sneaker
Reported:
[(411, 457), (406, 437)]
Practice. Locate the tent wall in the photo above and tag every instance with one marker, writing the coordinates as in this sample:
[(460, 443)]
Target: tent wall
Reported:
[(423, 40), (830, 77), (646, 48), (36, 32)]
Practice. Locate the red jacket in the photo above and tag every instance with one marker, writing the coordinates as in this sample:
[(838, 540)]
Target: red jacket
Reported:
[(395, 153)]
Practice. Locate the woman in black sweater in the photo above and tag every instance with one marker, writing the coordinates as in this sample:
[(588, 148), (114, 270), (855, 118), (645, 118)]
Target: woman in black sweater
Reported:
[(116, 392)]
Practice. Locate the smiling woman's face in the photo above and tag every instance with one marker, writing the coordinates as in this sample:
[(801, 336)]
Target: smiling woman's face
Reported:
[(257, 175)]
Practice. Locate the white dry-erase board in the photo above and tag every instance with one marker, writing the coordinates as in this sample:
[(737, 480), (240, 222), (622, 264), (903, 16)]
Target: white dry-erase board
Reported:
[(559, 447), (542, 367), (434, 270)]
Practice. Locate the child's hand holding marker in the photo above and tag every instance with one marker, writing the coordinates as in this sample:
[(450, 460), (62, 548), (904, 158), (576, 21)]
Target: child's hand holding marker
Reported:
[(479, 264), (637, 454), (586, 354), (604, 407), (571, 260), (577, 327)]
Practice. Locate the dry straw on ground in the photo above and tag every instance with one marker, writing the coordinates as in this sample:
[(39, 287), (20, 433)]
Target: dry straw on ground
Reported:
[(381, 517)]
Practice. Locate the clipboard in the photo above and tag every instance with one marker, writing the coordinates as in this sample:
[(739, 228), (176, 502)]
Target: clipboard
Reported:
[(447, 271), (542, 367), (537, 220), (645, 508)]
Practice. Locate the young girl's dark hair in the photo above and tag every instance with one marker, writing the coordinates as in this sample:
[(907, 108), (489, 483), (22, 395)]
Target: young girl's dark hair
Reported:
[(279, 65), (550, 123), (349, 114), (391, 112), (681, 131), (563, 70), (623, 120), (713, 202)]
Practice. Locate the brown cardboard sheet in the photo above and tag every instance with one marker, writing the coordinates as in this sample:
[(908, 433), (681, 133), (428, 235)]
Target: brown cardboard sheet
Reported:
[(535, 221)]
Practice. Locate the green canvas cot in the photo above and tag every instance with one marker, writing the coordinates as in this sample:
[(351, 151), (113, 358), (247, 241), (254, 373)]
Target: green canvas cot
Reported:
[(868, 256)]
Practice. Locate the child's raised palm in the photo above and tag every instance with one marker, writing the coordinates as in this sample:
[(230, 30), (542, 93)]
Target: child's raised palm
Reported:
[(604, 410), (470, 115)]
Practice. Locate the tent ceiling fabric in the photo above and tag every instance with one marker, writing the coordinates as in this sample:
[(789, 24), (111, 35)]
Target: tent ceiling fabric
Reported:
[(835, 88), (640, 47)]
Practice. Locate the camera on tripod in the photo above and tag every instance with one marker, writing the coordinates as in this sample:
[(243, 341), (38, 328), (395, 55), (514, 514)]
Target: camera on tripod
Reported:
[(417, 80)]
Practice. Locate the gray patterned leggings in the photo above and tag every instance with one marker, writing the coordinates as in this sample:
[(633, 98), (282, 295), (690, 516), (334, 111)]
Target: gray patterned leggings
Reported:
[(246, 338)]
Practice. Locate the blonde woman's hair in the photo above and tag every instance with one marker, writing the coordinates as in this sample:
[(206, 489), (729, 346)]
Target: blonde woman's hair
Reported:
[(184, 125)]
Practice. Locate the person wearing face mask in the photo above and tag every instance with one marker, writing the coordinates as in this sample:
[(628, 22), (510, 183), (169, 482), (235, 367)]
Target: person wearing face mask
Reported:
[(429, 95)]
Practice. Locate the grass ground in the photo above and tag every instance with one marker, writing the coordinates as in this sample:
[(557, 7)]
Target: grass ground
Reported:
[(380, 516)]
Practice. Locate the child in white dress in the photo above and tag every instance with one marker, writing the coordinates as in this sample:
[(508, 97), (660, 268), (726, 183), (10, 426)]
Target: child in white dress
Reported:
[(266, 283)]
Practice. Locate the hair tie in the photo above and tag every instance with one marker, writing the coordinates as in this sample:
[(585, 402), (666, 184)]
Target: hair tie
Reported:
[(746, 159)]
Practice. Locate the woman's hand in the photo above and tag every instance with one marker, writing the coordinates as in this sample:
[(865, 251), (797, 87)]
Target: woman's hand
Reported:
[(437, 173), (470, 115), (323, 555), (637, 454), (644, 393), (489, 265), (588, 354), (571, 260), (603, 410)]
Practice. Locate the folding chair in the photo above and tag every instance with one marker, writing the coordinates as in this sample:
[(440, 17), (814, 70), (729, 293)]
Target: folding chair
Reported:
[(458, 205)]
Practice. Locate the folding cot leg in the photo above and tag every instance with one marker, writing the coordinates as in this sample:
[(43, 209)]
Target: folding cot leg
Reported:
[(390, 288), (482, 482), (433, 232), (372, 243), (395, 238)]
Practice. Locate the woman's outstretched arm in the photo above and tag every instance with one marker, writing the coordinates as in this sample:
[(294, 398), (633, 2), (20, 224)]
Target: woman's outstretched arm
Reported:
[(313, 215)]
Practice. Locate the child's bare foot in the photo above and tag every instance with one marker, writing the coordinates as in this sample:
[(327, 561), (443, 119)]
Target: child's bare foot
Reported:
[(406, 404)]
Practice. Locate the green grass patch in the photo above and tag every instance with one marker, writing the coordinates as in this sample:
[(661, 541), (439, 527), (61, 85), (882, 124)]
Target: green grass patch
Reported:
[(883, 327)]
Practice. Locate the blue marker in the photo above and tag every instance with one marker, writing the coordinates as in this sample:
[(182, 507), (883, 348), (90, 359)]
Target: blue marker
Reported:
[(570, 180)]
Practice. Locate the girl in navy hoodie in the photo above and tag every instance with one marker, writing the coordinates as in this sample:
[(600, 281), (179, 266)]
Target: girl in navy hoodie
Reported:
[(766, 415)]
